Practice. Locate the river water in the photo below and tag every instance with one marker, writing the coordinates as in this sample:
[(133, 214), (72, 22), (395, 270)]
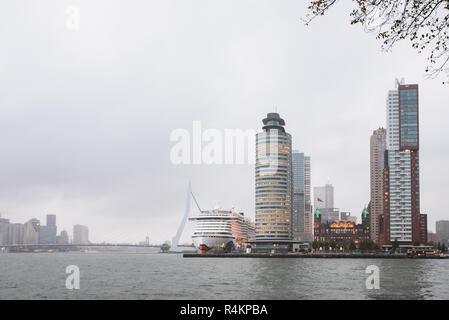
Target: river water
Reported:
[(170, 276)]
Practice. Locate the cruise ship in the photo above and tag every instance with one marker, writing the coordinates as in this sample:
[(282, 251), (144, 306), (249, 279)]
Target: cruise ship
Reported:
[(221, 230)]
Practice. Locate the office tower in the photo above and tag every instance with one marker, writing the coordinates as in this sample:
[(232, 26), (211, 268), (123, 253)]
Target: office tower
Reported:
[(401, 219), (15, 233), (308, 215), (298, 195), (11, 233), (442, 231), (274, 183), (4, 225), (80, 234), (31, 231), (324, 202), (324, 197), (47, 233), (63, 238), (378, 145), (51, 220)]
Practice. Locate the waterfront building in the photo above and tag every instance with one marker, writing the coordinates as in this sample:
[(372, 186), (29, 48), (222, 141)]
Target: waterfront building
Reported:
[(11, 233), (308, 214), (274, 184), (63, 238), (4, 225), (341, 232), (378, 146), (401, 219), (47, 233), (31, 231), (15, 233), (298, 195), (80, 234), (51, 220), (442, 231)]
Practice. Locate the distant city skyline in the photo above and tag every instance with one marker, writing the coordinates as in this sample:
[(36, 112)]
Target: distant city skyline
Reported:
[(33, 231)]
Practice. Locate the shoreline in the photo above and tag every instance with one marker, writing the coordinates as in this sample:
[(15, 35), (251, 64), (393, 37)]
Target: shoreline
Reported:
[(312, 255)]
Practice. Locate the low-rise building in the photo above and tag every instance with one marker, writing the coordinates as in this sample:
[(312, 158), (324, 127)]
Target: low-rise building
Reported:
[(342, 232)]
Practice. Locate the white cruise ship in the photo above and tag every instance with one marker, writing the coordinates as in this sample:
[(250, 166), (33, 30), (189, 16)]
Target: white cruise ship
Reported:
[(221, 230)]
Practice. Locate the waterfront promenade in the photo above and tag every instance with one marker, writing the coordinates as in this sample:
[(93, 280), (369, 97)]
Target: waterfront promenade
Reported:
[(314, 255)]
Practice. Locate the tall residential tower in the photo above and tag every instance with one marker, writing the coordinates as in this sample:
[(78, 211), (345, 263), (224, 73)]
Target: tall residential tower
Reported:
[(378, 145), (274, 181), (308, 215), (298, 196), (401, 219)]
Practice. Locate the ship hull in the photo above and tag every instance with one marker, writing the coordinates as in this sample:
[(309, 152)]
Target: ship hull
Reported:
[(205, 244)]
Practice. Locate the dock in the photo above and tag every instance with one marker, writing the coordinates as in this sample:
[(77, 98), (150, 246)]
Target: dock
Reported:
[(313, 255)]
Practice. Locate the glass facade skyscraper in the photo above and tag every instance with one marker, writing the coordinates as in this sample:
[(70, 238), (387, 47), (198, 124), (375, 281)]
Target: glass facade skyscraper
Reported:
[(401, 219), (298, 195), (274, 181), (308, 213), (302, 224)]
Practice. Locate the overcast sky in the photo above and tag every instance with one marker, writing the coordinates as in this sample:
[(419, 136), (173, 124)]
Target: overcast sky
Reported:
[(86, 114)]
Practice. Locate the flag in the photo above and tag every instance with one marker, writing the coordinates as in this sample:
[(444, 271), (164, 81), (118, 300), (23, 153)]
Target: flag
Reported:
[(319, 200)]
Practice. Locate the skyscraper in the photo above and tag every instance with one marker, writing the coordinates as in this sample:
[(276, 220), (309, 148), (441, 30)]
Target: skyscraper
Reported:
[(302, 210), (80, 234), (442, 231), (274, 183), (324, 197), (63, 238), (308, 216), (51, 220), (401, 219), (298, 195), (47, 233), (4, 226), (31, 231), (378, 145)]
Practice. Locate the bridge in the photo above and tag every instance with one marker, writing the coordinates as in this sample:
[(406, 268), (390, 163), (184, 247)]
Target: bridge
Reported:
[(67, 247)]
